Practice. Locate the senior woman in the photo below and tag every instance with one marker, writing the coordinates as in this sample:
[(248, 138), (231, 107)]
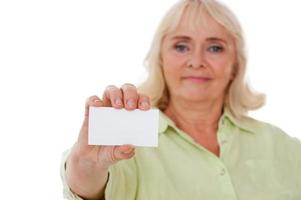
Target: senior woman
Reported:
[(208, 147)]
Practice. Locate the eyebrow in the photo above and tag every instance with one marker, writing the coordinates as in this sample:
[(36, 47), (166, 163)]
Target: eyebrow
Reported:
[(184, 37)]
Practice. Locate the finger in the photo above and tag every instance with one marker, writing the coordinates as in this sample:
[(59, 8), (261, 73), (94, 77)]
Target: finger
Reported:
[(112, 97), (92, 101), (143, 102), (124, 152), (129, 156), (130, 96)]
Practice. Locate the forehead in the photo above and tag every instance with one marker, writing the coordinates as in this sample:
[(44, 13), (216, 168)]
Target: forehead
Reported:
[(196, 24)]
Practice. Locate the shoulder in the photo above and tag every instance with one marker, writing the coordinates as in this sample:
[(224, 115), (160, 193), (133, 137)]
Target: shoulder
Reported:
[(264, 128), (272, 134), (275, 144)]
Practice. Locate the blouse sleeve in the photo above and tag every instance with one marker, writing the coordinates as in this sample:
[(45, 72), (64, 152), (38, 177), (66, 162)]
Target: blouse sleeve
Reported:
[(122, 182), (298, 171), (290, 147), (68, 194)]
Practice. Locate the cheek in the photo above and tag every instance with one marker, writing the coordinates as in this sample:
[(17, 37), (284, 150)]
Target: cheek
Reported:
[(172, 66), (172, 60), (170, 74), (223, 69)]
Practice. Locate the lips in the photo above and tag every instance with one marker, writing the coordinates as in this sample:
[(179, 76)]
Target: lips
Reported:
[(197, 78)]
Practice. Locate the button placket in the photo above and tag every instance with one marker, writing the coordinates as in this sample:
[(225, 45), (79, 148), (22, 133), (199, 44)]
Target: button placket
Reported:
[(223, 137), (224, 141), (223, 172)]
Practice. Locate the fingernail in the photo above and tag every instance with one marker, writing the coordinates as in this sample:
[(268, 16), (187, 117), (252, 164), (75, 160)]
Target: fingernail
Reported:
[(144, 104), (96, 100), (118, 102), (130, 103), (128, 151)]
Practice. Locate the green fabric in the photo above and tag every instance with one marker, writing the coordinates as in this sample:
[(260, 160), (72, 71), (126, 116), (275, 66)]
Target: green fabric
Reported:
[(257, 161)]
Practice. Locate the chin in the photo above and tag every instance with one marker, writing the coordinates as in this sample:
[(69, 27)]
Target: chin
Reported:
[(194, 96)]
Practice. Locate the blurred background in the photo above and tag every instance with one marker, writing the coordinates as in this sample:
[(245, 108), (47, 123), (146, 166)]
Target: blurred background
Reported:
[(55, 54)]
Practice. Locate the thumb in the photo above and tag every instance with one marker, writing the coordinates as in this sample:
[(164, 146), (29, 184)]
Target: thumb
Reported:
[(111, 155), (124, 152)]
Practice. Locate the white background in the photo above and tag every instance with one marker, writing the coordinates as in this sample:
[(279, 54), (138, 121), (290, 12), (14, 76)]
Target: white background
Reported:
[(54, 54)]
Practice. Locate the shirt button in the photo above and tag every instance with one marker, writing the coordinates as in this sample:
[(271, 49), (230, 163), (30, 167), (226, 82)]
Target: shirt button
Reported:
[(223, 172), (224, 142)]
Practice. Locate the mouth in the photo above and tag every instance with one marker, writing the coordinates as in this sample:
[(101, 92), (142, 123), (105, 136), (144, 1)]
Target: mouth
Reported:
[(197, 79)]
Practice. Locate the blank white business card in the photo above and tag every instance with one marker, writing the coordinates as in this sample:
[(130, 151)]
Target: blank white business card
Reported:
[(110, 126)]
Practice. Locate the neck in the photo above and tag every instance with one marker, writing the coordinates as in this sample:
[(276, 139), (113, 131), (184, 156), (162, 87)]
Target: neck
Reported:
[(195, 118)]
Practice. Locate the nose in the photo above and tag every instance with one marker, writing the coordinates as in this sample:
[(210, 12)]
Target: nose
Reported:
[(196, 60)]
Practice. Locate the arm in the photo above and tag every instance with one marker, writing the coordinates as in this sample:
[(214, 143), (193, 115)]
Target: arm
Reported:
[(87, 165)]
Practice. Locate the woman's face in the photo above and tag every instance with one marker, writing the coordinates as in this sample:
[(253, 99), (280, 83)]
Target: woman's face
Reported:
[(198, 64)]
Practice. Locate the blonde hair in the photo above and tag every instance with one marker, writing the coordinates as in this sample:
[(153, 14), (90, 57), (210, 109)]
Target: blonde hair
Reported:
[(239, 98)]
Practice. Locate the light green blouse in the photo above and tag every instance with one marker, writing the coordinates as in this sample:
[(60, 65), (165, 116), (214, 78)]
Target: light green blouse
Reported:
[(257, 161)]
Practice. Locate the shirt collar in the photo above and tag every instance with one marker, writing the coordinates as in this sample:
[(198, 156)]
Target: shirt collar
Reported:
[(164, 122), (245, 123)]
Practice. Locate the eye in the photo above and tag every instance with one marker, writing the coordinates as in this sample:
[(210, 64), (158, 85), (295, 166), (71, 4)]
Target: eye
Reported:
[(216, 49), (181, 48)]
